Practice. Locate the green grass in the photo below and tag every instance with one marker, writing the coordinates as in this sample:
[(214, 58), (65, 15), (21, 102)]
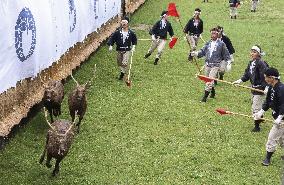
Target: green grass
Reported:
[(157, 132)]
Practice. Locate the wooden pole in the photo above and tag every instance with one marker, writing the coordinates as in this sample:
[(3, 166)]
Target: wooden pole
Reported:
[(246, 87)]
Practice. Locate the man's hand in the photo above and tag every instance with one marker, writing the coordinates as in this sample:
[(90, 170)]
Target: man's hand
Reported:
[(278, 121), (266, 90), (133, 48), (153, 38), (194, 53), (238, 81), (110, 48), (258, 115), (229, 65)]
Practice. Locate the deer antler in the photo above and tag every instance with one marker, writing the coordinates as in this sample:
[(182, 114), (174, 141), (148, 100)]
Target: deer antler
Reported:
[(76, 117), (93, 77), (74, 79), (45, 114)]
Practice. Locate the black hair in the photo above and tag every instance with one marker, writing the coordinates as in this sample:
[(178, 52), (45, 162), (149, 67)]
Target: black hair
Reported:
[(272, 72)]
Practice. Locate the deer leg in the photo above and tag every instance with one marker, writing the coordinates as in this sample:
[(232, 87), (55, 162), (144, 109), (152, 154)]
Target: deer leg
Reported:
[(56, 169), (51, 117), (48, 159), (78, 124), (44, 151)]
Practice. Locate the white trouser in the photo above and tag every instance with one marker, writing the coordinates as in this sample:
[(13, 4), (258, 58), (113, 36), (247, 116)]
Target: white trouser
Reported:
[(160, 45)]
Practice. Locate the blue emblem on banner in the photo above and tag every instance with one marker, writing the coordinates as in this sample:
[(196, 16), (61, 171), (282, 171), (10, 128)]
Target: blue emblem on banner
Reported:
[(25, 34), (96, 8), (72, 15)]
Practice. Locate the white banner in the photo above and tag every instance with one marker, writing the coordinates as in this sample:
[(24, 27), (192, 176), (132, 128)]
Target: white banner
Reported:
[(35, 33)]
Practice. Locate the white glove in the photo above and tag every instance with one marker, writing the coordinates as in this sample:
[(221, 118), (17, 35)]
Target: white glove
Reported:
[(133, 48), (257, 116), (194, 53), (110, 48), (153, 38), (171, 39), (266, 90), (278, 120), (229, 65), (238, 81), (232, 58)]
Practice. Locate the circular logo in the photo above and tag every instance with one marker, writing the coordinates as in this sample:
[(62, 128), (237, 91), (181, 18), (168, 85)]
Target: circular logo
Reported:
[(72, 15), (25, 34)]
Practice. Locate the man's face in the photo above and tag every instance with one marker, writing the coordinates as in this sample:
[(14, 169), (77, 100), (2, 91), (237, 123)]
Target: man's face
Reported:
[(196, 15), (124, 23), (269, 80), (214, 35), (254, 54)]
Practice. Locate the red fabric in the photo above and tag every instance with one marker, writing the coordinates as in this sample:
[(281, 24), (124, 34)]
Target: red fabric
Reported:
[(173, 42), (205, 79), (172, 10), (222, 111)]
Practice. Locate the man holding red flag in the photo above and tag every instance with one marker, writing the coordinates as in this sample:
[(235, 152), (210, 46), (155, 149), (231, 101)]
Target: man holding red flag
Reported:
[(159, 35), (254, 73), (214, 51), (194, 29), (275, 101)]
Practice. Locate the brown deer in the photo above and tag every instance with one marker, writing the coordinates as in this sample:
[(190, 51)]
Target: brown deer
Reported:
[(77, 100), (58, 142), (53, 97)]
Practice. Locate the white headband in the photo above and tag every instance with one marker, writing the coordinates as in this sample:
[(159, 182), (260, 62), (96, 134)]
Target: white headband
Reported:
[(197, 12), (256, 48), (278, 78), (124, 20)]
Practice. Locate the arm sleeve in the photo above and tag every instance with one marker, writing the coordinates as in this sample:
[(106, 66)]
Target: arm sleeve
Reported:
[(186, 28), (111, 39), (170, 30), (230, 46), (225, 52), (265, 105), (245, 76), (134, 39), (262, 68), (202, 51), (281, 111), (154, 29), (201, 26)]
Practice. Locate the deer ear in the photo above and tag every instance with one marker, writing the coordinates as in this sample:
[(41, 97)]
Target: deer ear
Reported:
[(87, 85)]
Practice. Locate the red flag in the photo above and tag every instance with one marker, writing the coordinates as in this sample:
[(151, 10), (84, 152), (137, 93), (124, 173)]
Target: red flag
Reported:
[(173, 42), (172, 10), (222, 111), (204, 78)]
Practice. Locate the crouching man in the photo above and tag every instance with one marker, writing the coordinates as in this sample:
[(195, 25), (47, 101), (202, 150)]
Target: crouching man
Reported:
[(275, 101)]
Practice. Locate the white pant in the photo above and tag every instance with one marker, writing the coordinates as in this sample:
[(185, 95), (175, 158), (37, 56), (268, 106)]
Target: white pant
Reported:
[(160, 45), (276, 135)]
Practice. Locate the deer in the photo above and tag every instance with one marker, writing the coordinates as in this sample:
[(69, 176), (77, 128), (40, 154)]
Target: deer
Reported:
[(59, 139), (77, 100), (53, 97)]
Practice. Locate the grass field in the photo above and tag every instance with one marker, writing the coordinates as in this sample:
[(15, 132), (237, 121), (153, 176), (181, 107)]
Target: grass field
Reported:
[(157, 132)]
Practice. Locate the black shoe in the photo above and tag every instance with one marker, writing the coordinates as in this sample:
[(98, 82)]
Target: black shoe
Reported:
[(256, 126), (266, 161), (221, 76), (256, 129), (231, 17), (121, 76), (147, 55), (156, 61), (204, 98), (212, 95), (235, 17)]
